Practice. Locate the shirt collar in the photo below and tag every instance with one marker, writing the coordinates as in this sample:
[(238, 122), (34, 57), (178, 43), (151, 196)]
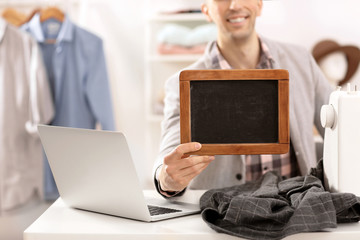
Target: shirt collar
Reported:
[(2, 28), (266, 60), (65, 33)]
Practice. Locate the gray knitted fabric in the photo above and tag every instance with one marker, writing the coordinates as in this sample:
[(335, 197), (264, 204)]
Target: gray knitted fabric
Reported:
[(273, 209)]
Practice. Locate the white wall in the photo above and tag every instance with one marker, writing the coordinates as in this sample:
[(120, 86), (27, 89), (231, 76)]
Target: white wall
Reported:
[(306, 22)]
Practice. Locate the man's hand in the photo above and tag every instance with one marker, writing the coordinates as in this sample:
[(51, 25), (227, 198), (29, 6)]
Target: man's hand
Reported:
[(179, 168)]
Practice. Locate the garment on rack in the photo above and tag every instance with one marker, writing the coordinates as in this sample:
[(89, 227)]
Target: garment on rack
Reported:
[(25, 101), (76, 67), (273, 209), (179, 39)]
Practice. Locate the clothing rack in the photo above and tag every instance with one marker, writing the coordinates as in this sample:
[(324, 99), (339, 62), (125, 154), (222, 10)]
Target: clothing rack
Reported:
[(74, 8), (32, 3)]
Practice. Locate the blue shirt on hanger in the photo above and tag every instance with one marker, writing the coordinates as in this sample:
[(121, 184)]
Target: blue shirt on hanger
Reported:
[(76, 67)]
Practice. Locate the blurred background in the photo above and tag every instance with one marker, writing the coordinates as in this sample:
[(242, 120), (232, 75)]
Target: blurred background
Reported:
[(145, 42)]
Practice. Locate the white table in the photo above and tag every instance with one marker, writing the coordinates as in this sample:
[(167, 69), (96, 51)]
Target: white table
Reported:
[(60, 222)]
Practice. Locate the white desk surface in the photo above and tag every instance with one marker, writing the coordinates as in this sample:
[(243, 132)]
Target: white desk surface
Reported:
[(60, 222)]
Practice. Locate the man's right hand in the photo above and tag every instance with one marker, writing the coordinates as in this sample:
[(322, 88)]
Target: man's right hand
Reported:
[(180, 168)]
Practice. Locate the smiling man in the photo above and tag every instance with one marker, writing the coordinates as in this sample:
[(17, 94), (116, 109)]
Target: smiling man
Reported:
[(237, 39), (238, 46)]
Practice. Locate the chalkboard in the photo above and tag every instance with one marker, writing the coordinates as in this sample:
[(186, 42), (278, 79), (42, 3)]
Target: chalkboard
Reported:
[(235, 111)]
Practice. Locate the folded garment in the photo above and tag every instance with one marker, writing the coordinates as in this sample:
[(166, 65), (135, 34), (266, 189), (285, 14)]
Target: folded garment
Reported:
[(273, 209), (164, 48), (181, 35)]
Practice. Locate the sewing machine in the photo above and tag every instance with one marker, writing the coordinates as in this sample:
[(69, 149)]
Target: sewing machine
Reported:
[(341, 120)]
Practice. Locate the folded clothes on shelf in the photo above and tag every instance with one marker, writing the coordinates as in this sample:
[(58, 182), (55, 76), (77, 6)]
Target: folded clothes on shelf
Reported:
[(176, 34), (164, 48)]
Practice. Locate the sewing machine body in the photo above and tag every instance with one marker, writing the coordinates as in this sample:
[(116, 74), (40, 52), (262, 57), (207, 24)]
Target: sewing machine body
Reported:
[(341, 119)]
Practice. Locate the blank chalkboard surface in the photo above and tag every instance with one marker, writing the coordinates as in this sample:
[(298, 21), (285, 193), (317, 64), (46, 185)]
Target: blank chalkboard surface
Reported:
[(235, 111)]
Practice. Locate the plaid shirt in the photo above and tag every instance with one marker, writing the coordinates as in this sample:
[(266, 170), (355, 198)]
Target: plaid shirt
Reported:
[(257, 165)]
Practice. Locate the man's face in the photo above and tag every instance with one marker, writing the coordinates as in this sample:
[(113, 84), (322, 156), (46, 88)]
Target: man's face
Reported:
[(235, 19)]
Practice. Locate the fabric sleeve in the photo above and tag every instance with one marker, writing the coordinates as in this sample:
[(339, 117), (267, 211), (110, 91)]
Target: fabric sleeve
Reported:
[(98, 89), (41, 102), (165, 194), (170, 126)]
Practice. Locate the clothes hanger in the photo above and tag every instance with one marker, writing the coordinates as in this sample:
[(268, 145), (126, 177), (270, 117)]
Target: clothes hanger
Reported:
[(31, 15), (14, 17), (51, 12)]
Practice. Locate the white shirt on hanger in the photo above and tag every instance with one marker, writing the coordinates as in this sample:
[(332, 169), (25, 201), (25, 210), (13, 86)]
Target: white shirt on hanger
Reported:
[(25, 101)]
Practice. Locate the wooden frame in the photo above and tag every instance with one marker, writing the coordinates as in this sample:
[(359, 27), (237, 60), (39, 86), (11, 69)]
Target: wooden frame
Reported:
[(281, 76)]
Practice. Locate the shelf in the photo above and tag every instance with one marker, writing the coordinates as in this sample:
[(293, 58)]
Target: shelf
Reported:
[(175, 58), (158, 69), (179, 17)]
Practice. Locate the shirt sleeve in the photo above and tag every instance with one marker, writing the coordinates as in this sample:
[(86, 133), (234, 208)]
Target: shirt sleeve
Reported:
[(98, 89), (165, 194), (41, 101), (170, 126)]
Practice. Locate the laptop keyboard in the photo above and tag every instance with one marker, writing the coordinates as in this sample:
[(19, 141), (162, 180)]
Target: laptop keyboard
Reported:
[(156, 210)]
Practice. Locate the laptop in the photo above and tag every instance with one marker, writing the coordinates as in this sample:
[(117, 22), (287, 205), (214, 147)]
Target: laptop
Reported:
[(94, 171)]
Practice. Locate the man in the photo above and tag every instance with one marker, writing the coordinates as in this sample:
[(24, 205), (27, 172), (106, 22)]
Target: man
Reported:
[(238, 46)]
